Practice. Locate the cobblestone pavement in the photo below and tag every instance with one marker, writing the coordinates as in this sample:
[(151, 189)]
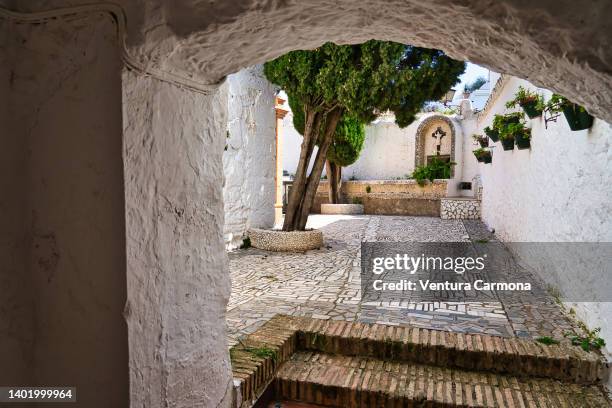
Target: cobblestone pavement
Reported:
[(325, 283)]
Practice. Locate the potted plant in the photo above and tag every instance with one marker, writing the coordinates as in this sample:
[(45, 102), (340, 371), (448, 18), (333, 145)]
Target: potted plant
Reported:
[(492, 133), (531, 102), (522, 138), (577, 117), (483, 155), (482, 140)]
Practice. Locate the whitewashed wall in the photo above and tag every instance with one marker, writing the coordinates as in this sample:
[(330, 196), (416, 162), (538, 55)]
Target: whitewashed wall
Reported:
[(249, 161), (388, 144), (558, 191)]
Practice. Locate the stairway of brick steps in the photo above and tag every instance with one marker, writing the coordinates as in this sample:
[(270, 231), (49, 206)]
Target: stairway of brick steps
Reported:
[(350, 364)]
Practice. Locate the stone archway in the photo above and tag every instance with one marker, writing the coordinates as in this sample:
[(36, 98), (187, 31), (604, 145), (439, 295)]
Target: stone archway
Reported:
[(159, 137)]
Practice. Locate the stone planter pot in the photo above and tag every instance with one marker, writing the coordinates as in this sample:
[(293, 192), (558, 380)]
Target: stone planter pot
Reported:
[(285, 241), (342, 209)]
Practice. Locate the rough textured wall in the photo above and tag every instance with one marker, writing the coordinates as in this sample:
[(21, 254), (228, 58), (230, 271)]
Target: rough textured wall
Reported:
[(249, 159), (559, 191), (63, 205), (178, 279), (561, 44)]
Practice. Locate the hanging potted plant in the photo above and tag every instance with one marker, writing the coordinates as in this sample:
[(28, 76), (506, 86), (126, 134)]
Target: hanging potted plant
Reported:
[(483, 141), (522, 137), (577, 117), (492, 133), (531, 102), (483, 155)]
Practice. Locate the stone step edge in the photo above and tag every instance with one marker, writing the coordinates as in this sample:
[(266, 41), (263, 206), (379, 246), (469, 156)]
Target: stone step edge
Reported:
[(478, 352), (341, 381)]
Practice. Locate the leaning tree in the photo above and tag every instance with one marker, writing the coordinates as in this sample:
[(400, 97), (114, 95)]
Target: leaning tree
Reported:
[(361, 80), (344, 150)]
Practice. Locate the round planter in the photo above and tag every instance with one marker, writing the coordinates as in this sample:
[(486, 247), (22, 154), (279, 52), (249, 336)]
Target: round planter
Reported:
[(577, 118), (285, 241), (531, 110), (342, 209), (508, 144)]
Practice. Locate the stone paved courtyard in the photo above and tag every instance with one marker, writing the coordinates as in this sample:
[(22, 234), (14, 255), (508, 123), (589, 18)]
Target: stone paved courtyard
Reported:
[(325, 283)]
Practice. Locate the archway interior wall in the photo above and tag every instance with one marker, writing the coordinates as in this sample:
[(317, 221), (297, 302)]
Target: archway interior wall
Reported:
[(62, 218), (178, 279)]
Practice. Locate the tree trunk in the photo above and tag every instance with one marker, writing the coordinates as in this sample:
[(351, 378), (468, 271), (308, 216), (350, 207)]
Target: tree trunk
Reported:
[(334, 176), (311, 129), (314, 178)]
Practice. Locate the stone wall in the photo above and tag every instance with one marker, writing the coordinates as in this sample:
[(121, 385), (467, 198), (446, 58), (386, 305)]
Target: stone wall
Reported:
[(558, 191), (389, 197), (459, 209), (249, 159)]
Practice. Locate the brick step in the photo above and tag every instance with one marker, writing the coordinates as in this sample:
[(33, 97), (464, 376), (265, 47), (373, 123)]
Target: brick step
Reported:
[(478, 352), (260, 355), (343, 381)]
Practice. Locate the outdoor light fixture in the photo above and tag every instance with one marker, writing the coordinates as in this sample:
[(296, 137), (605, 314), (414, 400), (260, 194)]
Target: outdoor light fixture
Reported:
[(448, 96)]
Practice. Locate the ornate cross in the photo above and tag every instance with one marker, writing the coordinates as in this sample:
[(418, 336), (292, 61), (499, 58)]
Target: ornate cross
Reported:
[(438, 135)]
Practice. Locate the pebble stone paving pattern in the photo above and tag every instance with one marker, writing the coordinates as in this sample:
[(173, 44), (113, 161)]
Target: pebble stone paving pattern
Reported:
[(325, 283)]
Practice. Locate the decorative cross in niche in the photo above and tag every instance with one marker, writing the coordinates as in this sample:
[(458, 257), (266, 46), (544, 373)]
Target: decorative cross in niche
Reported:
[(438, 135)]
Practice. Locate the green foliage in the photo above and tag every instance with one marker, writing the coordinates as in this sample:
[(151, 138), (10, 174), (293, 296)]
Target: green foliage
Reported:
[(347, 143), (475, 84), (365, 79), (510, 125), (513, 131), (435, 169), (368, 189), (524, 97), (590, 341), (480, 152), (558, 102), (547, 340), (357, 200), (348, 138)]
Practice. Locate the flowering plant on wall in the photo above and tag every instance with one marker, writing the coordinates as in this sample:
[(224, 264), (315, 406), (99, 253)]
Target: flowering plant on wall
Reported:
[(531, 102), (577, 116)]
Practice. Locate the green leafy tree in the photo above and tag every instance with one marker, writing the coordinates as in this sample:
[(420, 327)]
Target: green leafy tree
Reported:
[(360, 80), (344, 150)]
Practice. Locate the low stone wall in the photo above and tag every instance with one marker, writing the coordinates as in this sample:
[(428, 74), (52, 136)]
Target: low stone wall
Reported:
[(389, 197), (459, 208), (435, 189), (342, 209)]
